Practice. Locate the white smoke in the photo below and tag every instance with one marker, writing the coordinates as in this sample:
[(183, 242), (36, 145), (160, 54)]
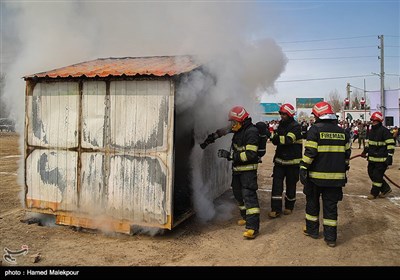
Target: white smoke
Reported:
[(227, 37)]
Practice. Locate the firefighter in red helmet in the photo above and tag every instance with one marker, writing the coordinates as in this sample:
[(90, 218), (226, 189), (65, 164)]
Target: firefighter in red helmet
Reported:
[(244, 157), (323, 171), (289, 146), (379, 149)]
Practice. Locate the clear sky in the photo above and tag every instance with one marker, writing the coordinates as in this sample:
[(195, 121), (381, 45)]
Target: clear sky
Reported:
[(324, 40), (327, 43)]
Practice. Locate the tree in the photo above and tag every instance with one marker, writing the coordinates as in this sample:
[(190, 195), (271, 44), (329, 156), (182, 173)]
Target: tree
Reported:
[(335, 100)]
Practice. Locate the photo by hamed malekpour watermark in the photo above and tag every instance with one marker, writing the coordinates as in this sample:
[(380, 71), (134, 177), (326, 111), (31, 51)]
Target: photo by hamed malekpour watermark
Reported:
[(10, 255)]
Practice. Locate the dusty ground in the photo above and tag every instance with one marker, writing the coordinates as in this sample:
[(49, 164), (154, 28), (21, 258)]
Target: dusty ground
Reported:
[(368, 231)]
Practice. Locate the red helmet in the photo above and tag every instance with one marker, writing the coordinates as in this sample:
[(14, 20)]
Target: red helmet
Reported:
[(377, 116), (238, 113), (323, 110), (287, 109)]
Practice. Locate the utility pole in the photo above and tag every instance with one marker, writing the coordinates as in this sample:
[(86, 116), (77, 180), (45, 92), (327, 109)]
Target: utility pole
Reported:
[(348, 90), (382, 76), (365, 105)]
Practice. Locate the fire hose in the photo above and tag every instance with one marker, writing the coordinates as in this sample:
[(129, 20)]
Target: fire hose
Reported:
[(384, 175)]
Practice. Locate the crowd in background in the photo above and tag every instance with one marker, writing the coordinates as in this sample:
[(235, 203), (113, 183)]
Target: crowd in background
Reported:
[(358, 130)]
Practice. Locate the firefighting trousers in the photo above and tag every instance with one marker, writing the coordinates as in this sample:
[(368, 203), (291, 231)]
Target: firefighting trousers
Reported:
[(376, 170), (244, 187), (330, 198), (291, 173)]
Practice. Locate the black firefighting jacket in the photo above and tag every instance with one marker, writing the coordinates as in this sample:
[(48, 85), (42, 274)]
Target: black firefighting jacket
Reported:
[(290, 145), (245, 147), (327, 153), (380, 144)]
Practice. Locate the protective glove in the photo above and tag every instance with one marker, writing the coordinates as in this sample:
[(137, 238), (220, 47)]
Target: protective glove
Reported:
[(275, 139), (389, 160), (303, 176), (210, 139), (224, 154)]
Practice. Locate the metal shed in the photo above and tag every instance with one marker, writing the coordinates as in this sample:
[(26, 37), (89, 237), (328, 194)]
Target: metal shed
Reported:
[(101, 144)]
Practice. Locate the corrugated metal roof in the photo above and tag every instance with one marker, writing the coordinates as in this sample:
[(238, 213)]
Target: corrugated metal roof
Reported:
[(128, 66)]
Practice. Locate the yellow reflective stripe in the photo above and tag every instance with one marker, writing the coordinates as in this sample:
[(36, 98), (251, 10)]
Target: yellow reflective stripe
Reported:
[(307, 159), (347, 147), (377, 143), (291, 135), (251, 211), (311, 144), (311, 218), (276, 197), (390, 147), (252, 148), (328, 222), (247, 167), (326, 176), (242, 207), (389, 141), (376, 184), (239, 148), (287, 162), (243, 156), (330, 149), (303, 167), (300, 141), (389, 154), (282, 139), (377, 159)]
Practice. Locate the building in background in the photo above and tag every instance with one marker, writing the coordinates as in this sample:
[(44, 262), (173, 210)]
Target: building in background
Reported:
[(392, 100), (270, 111), (304, 107)]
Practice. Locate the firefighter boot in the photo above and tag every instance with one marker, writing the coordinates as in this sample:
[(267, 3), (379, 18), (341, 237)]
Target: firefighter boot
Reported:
[(274, 214), (241, 222), (306, 233), (250, 233), (385, 193), (311, 229), (287, 212), (330, 235)]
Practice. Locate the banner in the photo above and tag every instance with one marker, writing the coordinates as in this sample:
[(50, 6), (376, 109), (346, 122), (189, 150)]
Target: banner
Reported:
[(307, 102)]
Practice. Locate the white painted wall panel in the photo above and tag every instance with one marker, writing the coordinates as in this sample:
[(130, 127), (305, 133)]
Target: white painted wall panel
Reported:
[(93, 114), (136, 189), (93, 191), (53, 115), (51, 177)]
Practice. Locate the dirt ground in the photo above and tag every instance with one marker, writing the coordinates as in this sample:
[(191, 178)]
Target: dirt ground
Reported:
[(368, 231)]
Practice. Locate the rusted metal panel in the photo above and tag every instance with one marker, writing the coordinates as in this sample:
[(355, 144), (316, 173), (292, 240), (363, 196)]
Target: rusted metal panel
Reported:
[(93, 189), (51, 179), (109, 157), (128, 66), (93, 114), (53, 115), (137, 189)]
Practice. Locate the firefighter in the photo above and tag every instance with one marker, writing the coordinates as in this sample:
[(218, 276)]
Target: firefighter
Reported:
[(289, 146), (243, 154), (380, 150), (323, 172), (346, 103)]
